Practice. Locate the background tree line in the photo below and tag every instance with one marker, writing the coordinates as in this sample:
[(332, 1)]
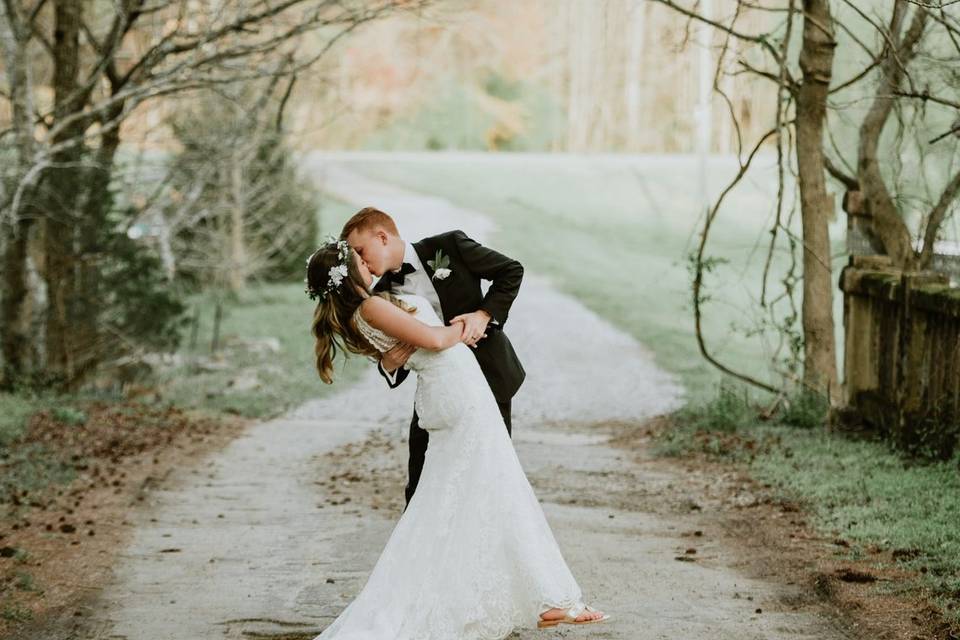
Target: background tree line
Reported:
[(76, 290)]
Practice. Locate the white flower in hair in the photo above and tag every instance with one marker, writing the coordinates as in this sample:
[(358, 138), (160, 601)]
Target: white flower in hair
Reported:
[(337, 274)]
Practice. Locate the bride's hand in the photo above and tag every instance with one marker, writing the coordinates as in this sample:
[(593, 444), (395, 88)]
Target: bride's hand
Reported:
[(396, 357), (459, 321)]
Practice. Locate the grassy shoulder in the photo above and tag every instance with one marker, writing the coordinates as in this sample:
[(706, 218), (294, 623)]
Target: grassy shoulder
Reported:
[(266, 362), (883, 508)]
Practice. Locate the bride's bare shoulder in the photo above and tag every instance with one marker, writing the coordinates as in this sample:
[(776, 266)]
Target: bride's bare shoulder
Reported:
[(369, 306), (375, 309)]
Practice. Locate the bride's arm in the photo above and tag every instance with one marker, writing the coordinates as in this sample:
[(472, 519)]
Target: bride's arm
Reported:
[(396, 322)]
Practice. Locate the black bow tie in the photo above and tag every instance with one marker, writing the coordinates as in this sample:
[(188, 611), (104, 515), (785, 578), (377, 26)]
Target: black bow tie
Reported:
[(397, 277)]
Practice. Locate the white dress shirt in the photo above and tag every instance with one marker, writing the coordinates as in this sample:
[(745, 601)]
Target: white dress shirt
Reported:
[(415, 283)]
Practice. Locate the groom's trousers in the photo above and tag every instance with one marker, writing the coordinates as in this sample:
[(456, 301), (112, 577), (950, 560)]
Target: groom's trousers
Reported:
[(418, 447)]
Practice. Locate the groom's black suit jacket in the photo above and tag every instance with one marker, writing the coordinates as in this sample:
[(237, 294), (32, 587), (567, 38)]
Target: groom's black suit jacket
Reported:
[(460, 293)]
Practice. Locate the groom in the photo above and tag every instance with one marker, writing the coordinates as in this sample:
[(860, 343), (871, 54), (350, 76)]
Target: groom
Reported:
[(452, 287)]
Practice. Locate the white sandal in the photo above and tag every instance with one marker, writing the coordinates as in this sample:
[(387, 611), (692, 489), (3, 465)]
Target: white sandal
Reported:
[(571, 615)]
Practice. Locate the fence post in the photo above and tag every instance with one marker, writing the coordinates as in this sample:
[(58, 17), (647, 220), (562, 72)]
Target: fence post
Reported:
[(860, 365), (913, 367)]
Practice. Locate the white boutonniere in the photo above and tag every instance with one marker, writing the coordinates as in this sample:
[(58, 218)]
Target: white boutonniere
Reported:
[(440, 265)]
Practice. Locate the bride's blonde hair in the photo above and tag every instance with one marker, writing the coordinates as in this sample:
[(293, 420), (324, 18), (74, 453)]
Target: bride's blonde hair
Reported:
[(334, 325)]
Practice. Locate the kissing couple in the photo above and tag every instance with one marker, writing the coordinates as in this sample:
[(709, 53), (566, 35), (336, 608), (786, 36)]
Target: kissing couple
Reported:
[(472, 556)]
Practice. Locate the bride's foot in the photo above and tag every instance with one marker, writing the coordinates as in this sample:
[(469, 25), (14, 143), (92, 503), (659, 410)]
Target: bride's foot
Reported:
[(552, 615)]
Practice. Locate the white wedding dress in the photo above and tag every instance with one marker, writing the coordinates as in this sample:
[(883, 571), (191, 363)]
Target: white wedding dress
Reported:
[(472, 557)]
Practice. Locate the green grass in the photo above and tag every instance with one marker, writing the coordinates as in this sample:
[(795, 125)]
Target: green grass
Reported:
[(24, 581), (26, 468), (867, 494), (287, 378), (856, 488), (31, 467), (15, 409), (615, 233), (278, 310), (15, 613)]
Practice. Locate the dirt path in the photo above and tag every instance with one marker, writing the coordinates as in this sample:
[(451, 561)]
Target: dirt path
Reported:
[(275, 533)]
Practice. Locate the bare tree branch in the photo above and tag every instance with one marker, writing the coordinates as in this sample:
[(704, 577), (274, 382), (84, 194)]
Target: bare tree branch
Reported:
[(847, 180), (887, 221), (762, 39), (936, 217), (782, 106), (699, 270), (926, 96), (933, 5), (954, 130), (36, 10), (857, 77)]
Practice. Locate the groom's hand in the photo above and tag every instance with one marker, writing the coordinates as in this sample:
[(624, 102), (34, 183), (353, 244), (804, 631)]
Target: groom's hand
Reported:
[(474, 326), (396, 357)]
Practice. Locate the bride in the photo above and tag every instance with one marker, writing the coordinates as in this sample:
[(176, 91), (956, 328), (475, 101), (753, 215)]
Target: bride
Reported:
[(472, 557)]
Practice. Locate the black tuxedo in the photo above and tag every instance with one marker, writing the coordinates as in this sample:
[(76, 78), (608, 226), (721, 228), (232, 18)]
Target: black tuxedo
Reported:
[(469, 263)]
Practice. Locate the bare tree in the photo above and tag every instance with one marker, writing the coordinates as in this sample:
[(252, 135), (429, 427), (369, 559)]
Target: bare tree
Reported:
[(816, 64), (815, 116), (76, 70), (234, 207)]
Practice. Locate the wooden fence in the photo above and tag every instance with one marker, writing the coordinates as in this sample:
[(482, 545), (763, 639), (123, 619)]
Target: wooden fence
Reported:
[(902, 353)]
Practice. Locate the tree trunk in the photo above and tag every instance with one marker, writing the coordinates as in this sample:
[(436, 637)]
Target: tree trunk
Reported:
[(816, 63), (89, 348), (15, 314), (61, 185), (237, 276), (887, 223)]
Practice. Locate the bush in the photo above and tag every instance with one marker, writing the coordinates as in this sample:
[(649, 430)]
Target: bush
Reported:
[(806, 409), (138, 301), (929, 436), (234, 169), (729, 410), (69, 415)]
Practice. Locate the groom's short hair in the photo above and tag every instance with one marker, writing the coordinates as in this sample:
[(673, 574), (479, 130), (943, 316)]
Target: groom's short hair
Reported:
[(369, 217)]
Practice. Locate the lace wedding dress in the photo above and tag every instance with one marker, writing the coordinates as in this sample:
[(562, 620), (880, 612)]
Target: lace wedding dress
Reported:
[(472, 557)]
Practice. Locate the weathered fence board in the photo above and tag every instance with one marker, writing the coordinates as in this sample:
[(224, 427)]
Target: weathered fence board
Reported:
[(902, 354)]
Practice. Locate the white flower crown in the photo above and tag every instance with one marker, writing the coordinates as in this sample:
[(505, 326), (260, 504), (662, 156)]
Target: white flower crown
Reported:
[(337, 272)]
